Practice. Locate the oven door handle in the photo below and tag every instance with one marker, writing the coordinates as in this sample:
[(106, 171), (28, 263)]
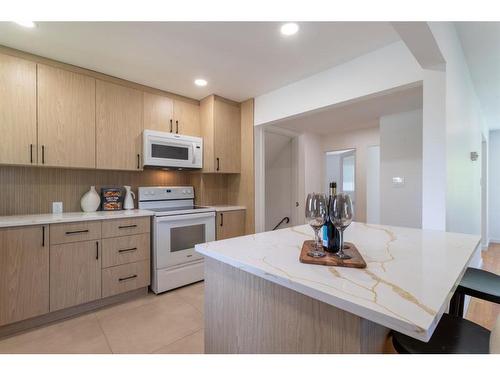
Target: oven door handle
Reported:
[(182, 217)]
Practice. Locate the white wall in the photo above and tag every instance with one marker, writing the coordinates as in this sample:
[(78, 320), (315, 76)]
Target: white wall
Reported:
[(401, 156), (383, 69), (463, 135), (373, 184), (359, 140), (494, 186), (278, 178)]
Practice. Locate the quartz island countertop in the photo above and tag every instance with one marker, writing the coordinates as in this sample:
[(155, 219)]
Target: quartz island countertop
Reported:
[(410, 275), (68, 217)]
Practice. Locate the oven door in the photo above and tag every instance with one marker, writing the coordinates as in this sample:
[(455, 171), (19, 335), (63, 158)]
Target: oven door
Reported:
[(162, 151), (176, 235)]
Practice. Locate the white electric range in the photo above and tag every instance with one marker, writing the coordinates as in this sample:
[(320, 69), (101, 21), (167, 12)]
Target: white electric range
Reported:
[(178, 225)]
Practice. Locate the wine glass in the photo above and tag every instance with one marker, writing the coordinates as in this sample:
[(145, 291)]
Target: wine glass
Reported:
[(341, 217), (316, 214)]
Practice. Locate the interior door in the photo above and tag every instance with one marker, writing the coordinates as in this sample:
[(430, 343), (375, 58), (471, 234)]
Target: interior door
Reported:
[(348, 168)]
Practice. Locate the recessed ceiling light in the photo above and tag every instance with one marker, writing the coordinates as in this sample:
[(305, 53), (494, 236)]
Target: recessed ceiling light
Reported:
[(29, 24), (200, 82), (289, 28)]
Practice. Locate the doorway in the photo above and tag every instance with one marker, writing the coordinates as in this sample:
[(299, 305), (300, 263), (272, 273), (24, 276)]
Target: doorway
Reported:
[(280, 179), (341, 168)]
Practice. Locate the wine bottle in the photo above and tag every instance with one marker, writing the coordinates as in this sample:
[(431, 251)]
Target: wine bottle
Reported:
[(332, 234)]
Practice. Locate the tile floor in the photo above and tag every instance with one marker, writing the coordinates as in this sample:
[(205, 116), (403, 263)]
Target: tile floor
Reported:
[(168, 323)]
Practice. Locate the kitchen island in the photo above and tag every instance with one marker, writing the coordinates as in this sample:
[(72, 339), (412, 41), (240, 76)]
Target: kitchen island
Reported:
[(260, 299)]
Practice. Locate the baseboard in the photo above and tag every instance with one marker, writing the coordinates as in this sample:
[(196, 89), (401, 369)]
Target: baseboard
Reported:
[(55, 316)]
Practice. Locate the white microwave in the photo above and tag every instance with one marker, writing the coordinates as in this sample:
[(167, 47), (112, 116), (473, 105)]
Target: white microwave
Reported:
[(169, 150)]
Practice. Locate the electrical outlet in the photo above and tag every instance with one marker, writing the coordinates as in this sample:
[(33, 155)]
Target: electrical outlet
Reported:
[(57, 207)]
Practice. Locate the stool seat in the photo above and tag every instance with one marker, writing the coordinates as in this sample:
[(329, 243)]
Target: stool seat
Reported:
[(480, 284), (453, 335)]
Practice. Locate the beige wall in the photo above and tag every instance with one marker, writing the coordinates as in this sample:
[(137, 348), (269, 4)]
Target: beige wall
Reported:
[(358, 140)]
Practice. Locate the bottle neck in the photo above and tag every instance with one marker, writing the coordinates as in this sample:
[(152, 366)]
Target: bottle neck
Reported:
[(333, 191)]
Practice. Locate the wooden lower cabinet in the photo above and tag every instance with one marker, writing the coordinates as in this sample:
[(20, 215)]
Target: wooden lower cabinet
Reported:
[(230, 224), (75, 274), (121, 279), (52, 268), (24, 273)]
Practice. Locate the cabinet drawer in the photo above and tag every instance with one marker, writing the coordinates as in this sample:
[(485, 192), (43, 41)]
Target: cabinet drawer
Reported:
[(75, 232), (125, 227), (121, 279), (123, 250)]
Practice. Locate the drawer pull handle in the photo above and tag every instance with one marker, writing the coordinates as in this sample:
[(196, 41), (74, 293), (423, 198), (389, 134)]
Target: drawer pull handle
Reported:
[(127, 278), (77, 231), (127, 226), (126, 250)]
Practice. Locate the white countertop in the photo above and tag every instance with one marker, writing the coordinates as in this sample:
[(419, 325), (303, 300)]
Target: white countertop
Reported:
[(222, 208), (409, 279), (68, 217)]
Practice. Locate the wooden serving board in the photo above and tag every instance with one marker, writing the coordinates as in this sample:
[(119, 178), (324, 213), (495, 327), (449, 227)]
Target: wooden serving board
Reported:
[(330, 259)]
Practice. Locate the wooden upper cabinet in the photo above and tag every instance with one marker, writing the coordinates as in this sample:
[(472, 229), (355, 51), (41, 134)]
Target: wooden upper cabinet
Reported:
[(66, 118), (119, 126), (187, 118), (17, 111), (221, 129), (24, 273), (158, 112), (178, 116)]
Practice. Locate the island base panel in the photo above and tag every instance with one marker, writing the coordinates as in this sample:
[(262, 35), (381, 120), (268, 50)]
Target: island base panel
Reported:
[(247, 314)]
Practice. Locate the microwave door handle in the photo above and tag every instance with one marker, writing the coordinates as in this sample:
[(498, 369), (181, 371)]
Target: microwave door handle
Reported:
[(194, 152)]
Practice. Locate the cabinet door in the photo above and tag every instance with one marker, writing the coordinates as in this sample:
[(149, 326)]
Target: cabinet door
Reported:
[(118, 126), (75, 274), (158, 113), (230, 224), (24, 273), (17, 111), (227, 137), (66, 118), (187, 118)]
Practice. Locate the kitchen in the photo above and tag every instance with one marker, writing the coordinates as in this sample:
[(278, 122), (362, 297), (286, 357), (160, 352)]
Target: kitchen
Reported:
[(131, 216), (44, 178)]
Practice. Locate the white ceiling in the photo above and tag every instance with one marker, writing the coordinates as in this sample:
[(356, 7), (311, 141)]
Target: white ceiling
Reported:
[(239, 60), (357, 114), (481, 46)]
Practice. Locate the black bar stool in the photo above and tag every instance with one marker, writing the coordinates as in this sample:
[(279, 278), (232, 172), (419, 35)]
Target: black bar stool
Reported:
[(454, 334)]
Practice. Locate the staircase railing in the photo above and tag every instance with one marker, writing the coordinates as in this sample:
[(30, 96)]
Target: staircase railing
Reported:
[(285, 220)]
